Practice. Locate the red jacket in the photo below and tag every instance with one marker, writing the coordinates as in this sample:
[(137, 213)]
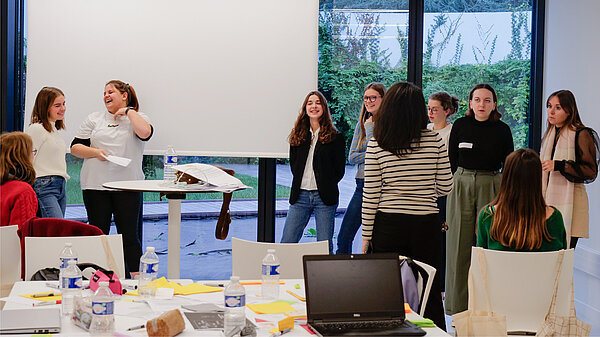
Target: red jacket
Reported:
[(18, 203)]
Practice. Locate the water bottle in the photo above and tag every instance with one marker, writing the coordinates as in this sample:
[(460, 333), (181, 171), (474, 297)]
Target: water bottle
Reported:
[(71, 287), (170, 160), (148, 273), (66, 254), (103, 306), (270, 275), (235, 307)]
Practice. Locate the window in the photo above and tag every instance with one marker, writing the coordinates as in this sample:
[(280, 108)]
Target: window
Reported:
[(488, 42)]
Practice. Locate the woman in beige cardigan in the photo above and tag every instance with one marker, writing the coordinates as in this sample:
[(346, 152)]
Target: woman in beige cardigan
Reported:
[(570, 156)]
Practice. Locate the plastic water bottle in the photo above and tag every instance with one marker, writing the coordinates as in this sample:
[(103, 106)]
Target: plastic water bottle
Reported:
[(170, 160), (148, 273), (235, 307), (66, 254), (103, 306), (71, 287), (270, 275)]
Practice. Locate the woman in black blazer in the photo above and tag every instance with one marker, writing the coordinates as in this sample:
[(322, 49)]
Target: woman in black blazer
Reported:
[(317, 161)]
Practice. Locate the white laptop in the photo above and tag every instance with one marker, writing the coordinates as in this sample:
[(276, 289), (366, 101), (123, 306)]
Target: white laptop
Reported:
[(30, 321)]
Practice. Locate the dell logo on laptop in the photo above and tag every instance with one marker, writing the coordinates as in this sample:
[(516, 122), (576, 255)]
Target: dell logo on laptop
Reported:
[(356, 315)]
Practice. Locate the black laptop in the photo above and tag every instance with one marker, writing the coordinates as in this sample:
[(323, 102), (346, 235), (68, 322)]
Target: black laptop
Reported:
[(356, 295)]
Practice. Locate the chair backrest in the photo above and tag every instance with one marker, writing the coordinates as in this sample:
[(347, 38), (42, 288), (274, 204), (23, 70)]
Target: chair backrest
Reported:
[(521, 285), (41, 252), (52, 227), (10, 259), (247, 257), (424, 283)]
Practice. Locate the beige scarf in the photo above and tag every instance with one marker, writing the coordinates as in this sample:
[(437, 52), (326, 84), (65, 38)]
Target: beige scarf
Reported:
[(557, 190)]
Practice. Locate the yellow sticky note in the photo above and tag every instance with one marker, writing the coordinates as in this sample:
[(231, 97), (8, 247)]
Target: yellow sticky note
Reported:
[(285, 323), (195, 288), (270, 308), (45, 298)]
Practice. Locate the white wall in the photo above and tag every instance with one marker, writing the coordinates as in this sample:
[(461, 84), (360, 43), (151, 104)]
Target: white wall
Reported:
[(572, 47)]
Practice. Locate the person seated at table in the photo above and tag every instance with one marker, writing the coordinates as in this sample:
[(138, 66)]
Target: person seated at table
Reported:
[(122, 130), (518, 219), (19, 202)]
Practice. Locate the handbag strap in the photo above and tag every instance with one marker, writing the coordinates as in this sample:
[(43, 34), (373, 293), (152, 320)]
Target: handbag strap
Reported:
[(471, 282), (559, 261), (112, 264)]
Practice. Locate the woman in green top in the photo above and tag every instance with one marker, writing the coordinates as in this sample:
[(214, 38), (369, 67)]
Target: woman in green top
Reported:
[(519, 219)]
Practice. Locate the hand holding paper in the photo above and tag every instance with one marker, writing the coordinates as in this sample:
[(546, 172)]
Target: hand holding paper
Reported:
[(117, 160)]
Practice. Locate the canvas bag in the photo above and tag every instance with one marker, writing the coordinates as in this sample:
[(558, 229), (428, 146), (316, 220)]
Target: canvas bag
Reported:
[(555, 325), (479, 323)]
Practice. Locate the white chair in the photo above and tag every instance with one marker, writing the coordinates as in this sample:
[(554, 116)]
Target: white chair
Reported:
[(521, 285), (10, 260), (43, 252), (423, 289), (247, 257)]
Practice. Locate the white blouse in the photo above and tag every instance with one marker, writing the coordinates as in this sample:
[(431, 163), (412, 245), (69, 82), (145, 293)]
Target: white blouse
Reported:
[(117, 138)]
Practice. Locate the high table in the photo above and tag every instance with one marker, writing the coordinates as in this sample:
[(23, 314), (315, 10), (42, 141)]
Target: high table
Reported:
[(174, 194), (130, 314)]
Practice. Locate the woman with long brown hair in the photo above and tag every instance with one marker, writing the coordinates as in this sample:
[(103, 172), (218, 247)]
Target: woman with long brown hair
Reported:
[(18, 202), (570, 156), (47, 118), (372, 98), (317, 161), (518, 219)]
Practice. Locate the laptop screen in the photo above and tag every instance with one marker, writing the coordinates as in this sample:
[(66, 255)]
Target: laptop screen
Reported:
[(353, 286)]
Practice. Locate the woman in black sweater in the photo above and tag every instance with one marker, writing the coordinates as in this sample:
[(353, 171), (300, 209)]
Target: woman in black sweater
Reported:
[(478, 145), (317, 161)]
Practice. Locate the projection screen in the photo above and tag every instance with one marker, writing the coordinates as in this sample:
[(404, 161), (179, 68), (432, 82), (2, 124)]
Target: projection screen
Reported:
[(217, 78)]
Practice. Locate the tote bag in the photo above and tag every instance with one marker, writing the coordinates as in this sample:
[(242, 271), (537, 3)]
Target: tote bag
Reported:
[(479, 323), (555, 325)]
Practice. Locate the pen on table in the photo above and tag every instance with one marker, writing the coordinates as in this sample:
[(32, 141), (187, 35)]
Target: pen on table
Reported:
[(213, 284), (45, 294), (137, 327), (279, 333), (47, 303)]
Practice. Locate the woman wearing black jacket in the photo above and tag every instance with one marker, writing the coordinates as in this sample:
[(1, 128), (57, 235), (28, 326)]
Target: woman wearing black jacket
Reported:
[(317, 161)]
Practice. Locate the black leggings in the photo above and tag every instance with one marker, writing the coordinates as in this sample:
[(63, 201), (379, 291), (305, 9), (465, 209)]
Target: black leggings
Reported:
[(127, 210), (417, 237)]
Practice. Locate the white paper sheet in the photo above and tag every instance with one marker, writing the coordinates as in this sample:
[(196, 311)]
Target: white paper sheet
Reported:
[(117, 160)]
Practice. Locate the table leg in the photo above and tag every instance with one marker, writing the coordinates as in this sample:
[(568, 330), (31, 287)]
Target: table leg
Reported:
[(174, 254)]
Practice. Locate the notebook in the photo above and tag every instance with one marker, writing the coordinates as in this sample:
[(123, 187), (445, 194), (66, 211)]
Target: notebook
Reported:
[(356, 295), (30, 321)]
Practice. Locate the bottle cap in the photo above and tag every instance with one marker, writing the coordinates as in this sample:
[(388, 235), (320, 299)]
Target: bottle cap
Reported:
[(271, 251), (150, 249), (234, 279), (68, 244)]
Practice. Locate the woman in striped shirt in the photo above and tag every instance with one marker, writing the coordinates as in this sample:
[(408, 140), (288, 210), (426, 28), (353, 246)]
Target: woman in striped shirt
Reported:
[(406, 169)]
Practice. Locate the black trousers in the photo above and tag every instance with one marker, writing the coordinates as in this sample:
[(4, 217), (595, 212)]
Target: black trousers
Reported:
[(417, 237), (127, 210), (441, 203)]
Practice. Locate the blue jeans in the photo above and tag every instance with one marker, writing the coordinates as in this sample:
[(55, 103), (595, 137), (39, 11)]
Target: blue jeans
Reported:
[(352, 220), (309, 202), (52, 196)]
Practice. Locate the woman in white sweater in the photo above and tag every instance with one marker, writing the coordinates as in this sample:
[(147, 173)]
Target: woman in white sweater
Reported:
[(50, 150)]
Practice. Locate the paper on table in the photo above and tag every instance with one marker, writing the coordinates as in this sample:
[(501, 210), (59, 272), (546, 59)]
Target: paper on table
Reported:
[(271, 308), (192, 288), (45, 298), (210, 174), (117, 160)]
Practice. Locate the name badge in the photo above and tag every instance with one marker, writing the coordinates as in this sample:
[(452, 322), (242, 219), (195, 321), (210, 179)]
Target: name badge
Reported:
[(465, 145)]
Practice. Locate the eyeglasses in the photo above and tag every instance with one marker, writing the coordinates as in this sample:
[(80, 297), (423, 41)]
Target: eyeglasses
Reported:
[(370, 98), (434, 110), (34, 152)]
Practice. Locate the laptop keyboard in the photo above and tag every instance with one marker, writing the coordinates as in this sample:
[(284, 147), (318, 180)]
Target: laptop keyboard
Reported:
[(361, 325)]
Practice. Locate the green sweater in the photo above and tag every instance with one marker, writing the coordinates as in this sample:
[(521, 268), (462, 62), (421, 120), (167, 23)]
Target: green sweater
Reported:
[(556, 229)]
